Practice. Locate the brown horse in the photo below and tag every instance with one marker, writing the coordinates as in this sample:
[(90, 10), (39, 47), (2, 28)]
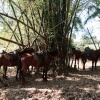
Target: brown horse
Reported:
[(93, 56), (12, 59), (7, 59), (37, 60), (77, 56)]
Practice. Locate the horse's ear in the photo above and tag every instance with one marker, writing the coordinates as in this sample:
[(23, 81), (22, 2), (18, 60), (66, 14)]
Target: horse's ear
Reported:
[(4, 51)]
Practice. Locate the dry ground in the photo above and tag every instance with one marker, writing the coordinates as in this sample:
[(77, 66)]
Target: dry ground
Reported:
[(80, 85)]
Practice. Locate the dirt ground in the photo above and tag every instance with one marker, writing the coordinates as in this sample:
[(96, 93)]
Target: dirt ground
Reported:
[(79, 85)]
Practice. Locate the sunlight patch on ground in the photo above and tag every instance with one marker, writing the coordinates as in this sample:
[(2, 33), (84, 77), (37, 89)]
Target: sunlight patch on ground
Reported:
[(88, 89), (73, 78)]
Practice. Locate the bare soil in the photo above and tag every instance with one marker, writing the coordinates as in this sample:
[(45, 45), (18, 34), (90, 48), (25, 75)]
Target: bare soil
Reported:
[(79, 85)]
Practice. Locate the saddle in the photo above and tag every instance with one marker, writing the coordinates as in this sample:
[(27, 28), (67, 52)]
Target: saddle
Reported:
[(7, 56), (10, 56)]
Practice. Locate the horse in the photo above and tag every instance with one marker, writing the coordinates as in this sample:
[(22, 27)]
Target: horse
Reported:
[(93, 56), (12, 59), (7, 59), (77, 55), (37, 60)]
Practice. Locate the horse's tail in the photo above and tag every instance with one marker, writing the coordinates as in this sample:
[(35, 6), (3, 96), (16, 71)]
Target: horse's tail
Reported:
[(19, 63), (19, 69), (21, 74), (83, 59)]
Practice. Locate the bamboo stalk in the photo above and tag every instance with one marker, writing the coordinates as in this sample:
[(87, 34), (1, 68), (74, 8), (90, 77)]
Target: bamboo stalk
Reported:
[(26, 28), (12, 35), (6, 15), (11, 41), (17, 21), (9, 27), (92, 38)]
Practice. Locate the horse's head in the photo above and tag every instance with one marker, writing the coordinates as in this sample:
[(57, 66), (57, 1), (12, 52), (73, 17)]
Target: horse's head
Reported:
[(3, 52)]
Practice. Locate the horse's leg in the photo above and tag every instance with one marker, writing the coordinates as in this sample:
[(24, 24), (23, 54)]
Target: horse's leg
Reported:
[(92, 65), (54, 68), (45, 73), (75, 63), (71, 63), (21, 72), (84, 62), (28, 71), (31, 68), (17, 73), (78, 63), (4, 72), (37, 71), (22, 77), (83, 65), (95, 65), (3, 83)]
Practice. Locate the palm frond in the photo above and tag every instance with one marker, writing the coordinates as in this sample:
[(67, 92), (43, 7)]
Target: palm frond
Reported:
[(78, 24), (93, 15)]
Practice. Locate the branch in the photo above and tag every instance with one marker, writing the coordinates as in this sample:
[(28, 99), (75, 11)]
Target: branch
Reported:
[(6, 15), (11, 41), (91, 38)]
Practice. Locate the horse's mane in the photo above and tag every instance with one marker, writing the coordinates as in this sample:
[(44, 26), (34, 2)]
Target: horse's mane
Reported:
[(26, 50)]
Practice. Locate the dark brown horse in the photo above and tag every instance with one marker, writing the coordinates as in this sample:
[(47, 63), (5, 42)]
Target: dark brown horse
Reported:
[(11, 59), (37, 60), (93, 56), (77, 55)]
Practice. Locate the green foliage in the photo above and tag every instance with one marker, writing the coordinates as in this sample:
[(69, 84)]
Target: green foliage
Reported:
[(95, 13), (93, 10), (86, 41), (78, 24)]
